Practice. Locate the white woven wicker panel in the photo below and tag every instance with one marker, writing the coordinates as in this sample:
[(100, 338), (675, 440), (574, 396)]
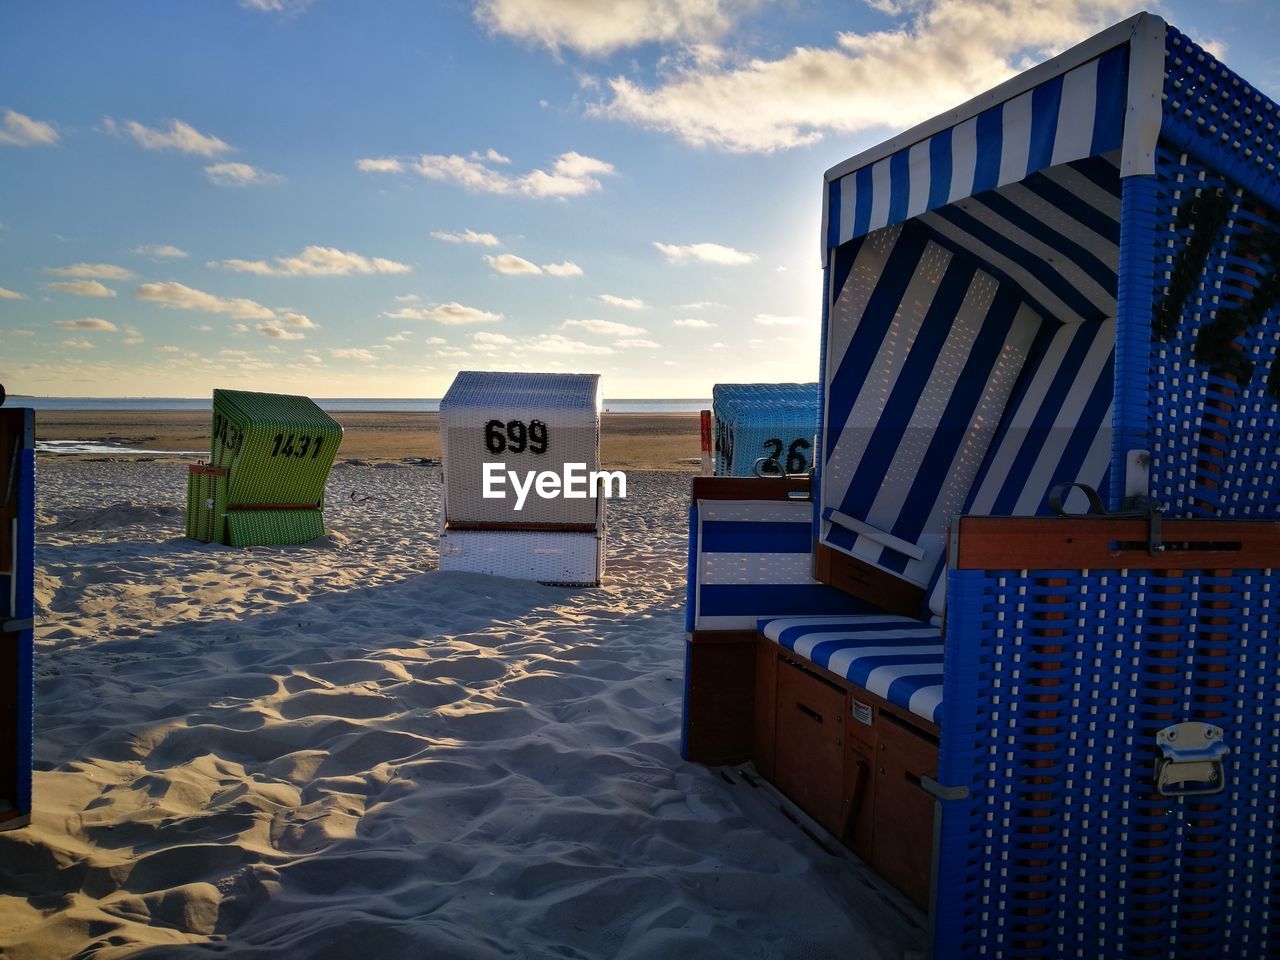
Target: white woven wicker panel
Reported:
[(529, 421), (570, 558)]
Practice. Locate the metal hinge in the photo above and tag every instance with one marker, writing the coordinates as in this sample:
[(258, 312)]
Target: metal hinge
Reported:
[(935, 789), (1190, 764)]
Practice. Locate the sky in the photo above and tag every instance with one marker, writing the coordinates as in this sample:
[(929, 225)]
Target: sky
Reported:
[(349, 199)]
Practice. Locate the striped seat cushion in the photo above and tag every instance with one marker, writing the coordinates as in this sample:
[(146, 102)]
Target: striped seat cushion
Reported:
[(896, 658)]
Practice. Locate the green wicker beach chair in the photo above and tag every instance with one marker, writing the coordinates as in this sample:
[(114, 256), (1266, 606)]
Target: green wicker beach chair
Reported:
[(264, 485)]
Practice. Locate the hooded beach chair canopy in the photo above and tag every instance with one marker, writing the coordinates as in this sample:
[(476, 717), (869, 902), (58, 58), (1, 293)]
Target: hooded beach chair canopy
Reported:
[(776, 421), (995, 278)]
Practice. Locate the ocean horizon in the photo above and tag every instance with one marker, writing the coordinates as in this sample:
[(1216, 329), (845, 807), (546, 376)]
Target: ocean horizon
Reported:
[(332, 404)]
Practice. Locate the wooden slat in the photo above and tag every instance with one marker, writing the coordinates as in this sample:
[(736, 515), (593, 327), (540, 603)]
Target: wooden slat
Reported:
[(750, 488), (862, 580), (204, 468), (1104, 543), (720, 699)]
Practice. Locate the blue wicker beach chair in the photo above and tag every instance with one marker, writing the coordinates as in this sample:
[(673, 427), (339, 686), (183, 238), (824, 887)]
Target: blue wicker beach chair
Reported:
[(1045, 486), (17, 571), (770, 422)]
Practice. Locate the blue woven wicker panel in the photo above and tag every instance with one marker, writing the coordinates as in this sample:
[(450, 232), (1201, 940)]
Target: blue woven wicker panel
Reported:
[(1056, 683)]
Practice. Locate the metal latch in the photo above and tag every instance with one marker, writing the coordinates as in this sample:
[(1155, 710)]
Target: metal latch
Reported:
[(938, 791), (1190, 764)]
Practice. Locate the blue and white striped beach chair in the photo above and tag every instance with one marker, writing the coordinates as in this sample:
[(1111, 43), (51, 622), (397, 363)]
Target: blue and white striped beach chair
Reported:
[(1055, 733), (17, 573)]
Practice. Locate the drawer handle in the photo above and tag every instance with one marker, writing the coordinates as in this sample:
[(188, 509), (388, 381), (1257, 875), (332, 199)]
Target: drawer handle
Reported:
[(811, 714)]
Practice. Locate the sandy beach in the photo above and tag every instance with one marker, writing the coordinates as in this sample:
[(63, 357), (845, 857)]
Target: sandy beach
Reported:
[(628, 441), (337, 750)]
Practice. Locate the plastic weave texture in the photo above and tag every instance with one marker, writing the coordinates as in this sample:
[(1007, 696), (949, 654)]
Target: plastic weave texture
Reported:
[(529, 422), (206, 505), (248, 528), (571, 559), (774, 420), (1056, 682)]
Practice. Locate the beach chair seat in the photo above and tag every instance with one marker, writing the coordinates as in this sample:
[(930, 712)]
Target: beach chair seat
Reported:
[(896, 658)]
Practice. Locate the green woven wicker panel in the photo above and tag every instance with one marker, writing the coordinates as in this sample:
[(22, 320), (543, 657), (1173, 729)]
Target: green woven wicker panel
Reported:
[(277, 528), (206, 506), (278, 448)]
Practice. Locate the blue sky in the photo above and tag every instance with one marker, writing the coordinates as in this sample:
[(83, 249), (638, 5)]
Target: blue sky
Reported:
[(360, 199)]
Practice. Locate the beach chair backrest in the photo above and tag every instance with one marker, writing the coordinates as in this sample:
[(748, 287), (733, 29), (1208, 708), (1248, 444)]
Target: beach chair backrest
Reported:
[(775, 421)]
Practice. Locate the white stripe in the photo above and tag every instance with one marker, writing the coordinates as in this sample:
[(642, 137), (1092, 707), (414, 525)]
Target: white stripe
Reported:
[(1068, 418), (773, 629), (1077, 184), (842, 661), (1103, 300), (879, 195), (1096, 462), (745, 621), (756, 568), (930, 407), (1065, 224), (1073, 138), (854, 525), (964, 159), (925, 701), (851, 302), (848, 204), (1003, 456), (1015, 142), (873, 393), (918, 165), (1057, 309), (804, 645), (881, 678), (755, 511)]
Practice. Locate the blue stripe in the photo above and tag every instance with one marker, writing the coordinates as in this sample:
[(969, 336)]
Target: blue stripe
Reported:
[(753, 536), (1101, 273), (1111, 101), (1092, 421), (990, 143), (1077, 208), (776, 600), (691, 570), (916, 371), (939, 168), (1101, 171), (904, 688), (862, 201), (956, 419), (860, 355), (860, 668), (1046, 102), (899, 186), (1023, 258), (1015, 482)]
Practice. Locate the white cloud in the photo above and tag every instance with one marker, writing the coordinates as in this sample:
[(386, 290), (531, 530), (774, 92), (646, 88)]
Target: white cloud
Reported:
[(179, 136), (79, 343), (133, 336), (694, 322), (435, 341), (700, 305), (311, 358), (277, 332), (449, 314), (467, 236), (488, 342), (605, 327), (628, 303), (168, 349), (638, 344), (939, 54), (173, 294), (400, 337), (82, 288), (600, 28), (239, 175), (19, 130), (92, 271), (159, 250), (555, 343), (315, 262), (407, 298), (292, 319), (353, 353), (705, 253), (572, 174), (21, 333), (566, 269), (239, 328), (88, 323), (493, 156), (770, 320), (11, 295), (379, 165), (276, 6), (511, 265)]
